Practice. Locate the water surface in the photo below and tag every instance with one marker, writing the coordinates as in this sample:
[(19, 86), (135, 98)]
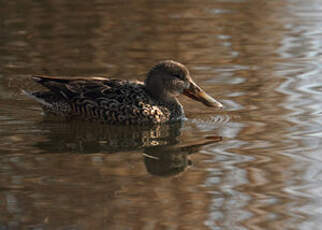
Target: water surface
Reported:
[(255, 165)]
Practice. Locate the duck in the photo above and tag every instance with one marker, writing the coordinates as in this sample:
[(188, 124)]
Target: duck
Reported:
[(116, 101)]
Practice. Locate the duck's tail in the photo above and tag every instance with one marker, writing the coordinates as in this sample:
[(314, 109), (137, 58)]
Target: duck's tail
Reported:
[(37, 97)]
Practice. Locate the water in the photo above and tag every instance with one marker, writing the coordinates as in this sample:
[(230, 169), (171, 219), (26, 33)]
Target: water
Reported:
[(256, 165)]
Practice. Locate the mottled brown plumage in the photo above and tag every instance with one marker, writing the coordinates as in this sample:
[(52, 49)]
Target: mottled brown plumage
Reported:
[(121, 101)]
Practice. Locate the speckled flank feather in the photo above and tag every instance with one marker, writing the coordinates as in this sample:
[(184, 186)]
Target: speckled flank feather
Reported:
[(107, 100)]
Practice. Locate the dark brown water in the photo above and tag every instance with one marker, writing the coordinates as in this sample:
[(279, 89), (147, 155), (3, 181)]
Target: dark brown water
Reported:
[(262, 59)]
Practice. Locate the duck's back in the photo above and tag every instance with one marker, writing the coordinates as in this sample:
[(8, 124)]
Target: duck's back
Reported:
[(107, 100)]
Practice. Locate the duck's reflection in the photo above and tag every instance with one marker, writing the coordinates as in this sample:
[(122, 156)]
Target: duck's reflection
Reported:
[(163, 153), (171, 160)]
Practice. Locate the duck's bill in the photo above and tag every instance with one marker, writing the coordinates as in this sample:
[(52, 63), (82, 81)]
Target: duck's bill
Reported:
[(196, 93)]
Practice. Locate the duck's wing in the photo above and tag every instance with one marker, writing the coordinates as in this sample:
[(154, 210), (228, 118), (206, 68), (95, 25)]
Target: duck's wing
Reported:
[(80, 87), (110, 100)]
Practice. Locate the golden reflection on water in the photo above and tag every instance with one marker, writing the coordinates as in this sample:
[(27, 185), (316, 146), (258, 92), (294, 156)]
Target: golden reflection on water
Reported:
[(260, 58)]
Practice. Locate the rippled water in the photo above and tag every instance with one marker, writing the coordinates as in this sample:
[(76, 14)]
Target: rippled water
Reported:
[(256, 165)]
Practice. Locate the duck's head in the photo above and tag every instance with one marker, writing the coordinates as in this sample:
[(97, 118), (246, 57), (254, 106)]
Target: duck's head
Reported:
[(169, 79)]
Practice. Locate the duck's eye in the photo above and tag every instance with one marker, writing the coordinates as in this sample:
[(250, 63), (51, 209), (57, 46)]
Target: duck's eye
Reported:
[(178, 76)]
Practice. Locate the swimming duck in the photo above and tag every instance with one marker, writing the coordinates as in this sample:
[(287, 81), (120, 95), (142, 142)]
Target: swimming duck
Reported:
[(115, 101)]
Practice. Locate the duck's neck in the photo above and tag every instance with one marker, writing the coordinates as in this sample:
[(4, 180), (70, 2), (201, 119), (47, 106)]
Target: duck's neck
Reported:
[(165, 98), (177, 112), (173, 106)]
